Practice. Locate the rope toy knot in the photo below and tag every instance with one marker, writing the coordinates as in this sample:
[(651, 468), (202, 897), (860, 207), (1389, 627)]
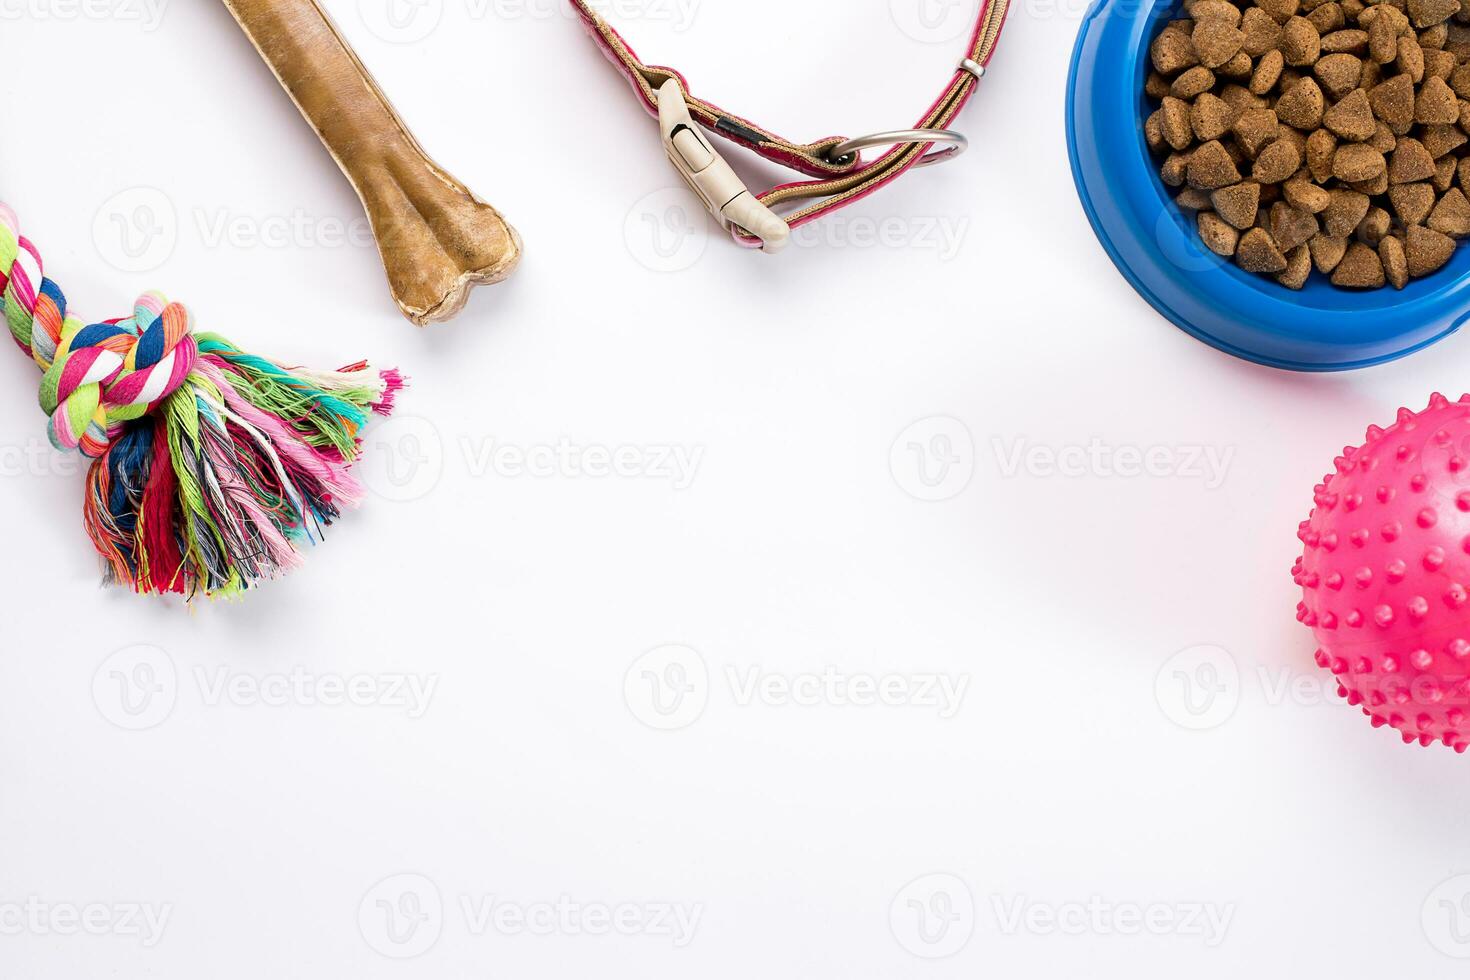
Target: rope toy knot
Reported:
[(215, 490), (96, 377), (103, 375)]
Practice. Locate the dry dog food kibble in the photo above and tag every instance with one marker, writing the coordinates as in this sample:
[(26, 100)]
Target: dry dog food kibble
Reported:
[(1318, 134)]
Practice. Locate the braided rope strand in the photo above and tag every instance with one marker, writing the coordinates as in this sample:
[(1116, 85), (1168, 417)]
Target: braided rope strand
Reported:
[(210, 466)]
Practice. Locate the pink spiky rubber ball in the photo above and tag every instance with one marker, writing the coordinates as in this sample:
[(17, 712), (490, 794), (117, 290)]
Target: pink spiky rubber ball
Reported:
[(1385, 573)]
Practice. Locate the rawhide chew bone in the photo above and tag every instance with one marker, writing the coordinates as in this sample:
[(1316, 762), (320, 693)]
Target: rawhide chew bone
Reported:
[(438, 241), (210, 466)]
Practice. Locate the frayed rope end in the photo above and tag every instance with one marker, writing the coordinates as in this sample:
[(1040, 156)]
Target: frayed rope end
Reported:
[(247, 462)]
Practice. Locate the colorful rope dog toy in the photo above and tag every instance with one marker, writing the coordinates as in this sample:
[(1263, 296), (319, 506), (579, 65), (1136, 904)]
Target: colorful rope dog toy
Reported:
[(210, 466)]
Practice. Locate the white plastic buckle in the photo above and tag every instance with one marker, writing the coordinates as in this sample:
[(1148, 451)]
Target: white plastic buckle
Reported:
[(711, 177)]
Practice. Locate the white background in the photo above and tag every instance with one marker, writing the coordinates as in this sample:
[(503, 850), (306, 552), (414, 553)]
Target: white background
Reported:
[(1142, 732)]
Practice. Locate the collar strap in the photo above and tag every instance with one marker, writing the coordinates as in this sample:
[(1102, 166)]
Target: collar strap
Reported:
[(835, 180)]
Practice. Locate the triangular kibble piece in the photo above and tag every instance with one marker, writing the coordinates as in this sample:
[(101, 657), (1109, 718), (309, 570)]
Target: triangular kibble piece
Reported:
[(1277, 162), (1345, 212), (1427, 13), (1393, 102), (1302, 105), (1426, 249), (1451, 216), (1327, 251), (1291, 226), (1210, 167), (1258, 253), (1436, 103), (1360, 268), (1442, 138), (1409, 162), (1339, 73), (1411, 202), (1351, 118), (1238, 203), (1254, 128), (1298, 268)]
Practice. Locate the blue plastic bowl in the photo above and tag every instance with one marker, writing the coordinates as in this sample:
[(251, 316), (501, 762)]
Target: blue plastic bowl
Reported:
[(1154, 244)]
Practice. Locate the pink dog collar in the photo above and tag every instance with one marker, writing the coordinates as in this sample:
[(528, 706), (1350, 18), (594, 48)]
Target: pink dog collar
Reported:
[(839, 173)]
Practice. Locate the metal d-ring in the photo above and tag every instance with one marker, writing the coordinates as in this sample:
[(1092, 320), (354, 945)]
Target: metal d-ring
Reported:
[(958, 144)]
